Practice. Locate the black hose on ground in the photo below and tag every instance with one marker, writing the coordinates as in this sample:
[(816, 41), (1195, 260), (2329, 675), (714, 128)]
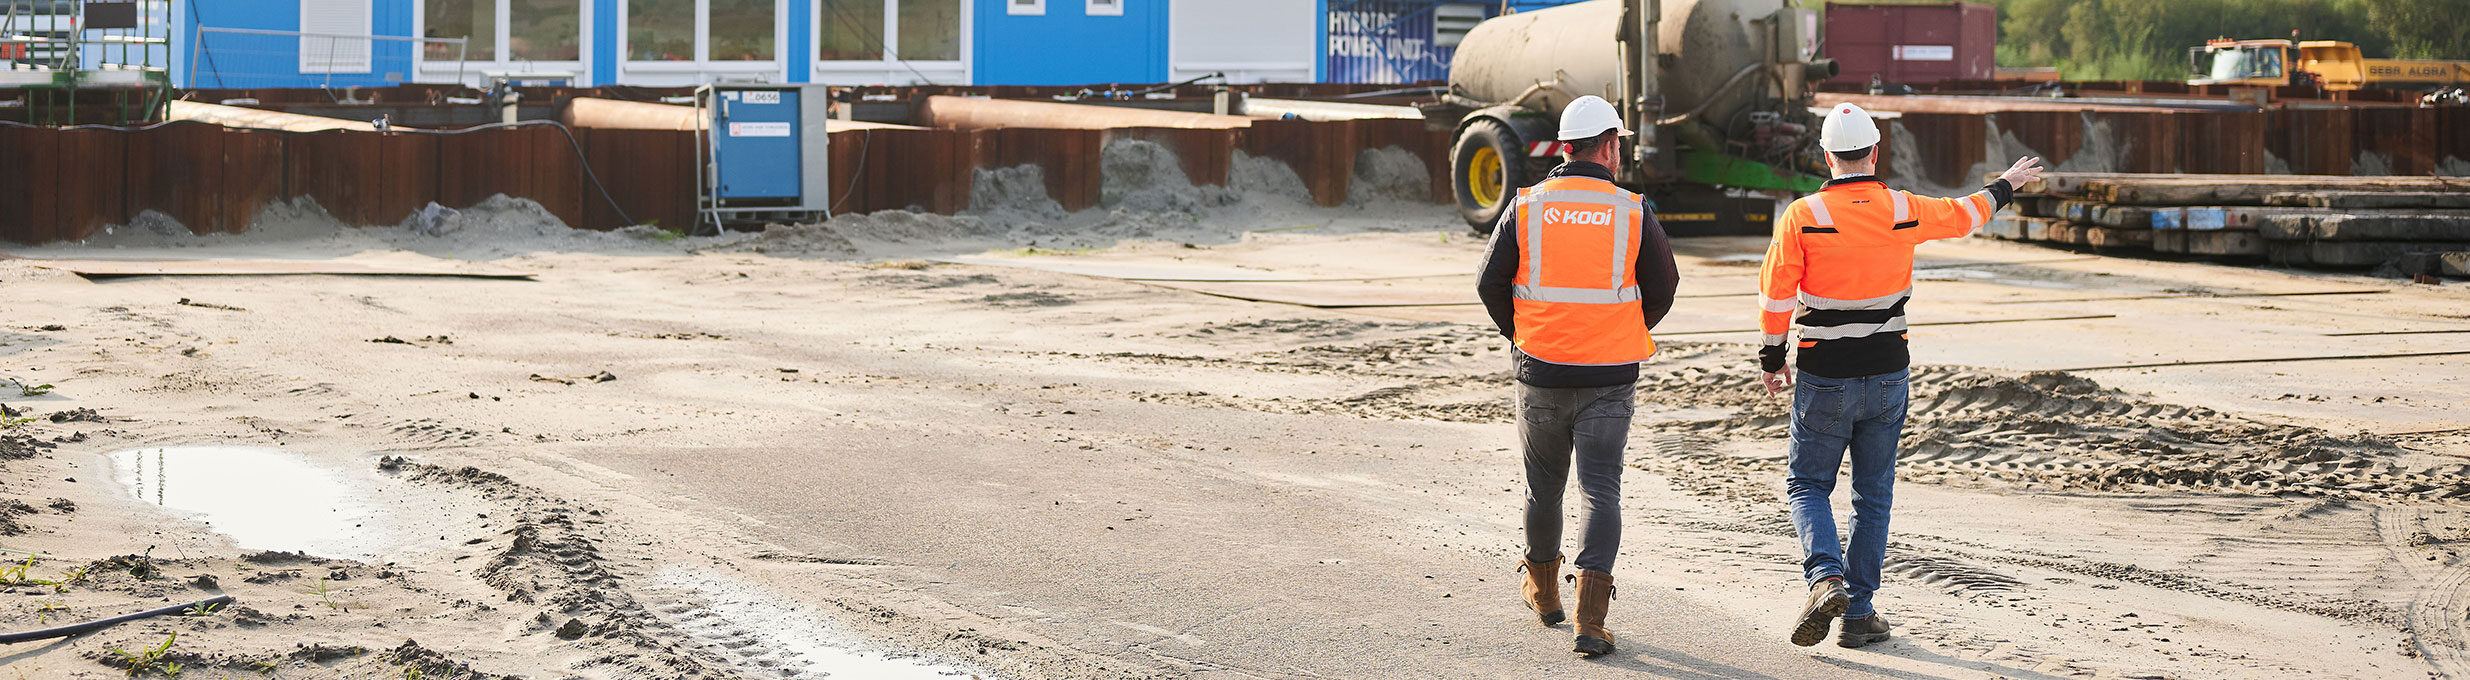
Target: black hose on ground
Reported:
[(99, 624)]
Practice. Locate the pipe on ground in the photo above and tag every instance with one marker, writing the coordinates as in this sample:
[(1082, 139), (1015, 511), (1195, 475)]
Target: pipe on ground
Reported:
[(615, 114), (99, 624), (1312, 110), (237, 117), (983, 114)]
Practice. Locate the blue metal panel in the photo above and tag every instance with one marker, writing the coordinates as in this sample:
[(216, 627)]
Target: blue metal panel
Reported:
[(756, 140), (240, 61), (1067, 46), (801, 47), (604, 41)]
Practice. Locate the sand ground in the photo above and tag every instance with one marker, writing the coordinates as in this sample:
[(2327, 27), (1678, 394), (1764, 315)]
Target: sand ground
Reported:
[(683, 461)]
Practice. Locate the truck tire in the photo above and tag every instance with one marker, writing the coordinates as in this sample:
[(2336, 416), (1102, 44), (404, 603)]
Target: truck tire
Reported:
[(1487, 166)]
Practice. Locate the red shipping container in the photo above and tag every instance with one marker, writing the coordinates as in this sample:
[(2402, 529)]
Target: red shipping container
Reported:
[(1912, 42)]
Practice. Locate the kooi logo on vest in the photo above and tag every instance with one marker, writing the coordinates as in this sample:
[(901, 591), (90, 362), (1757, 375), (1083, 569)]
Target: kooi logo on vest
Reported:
[(1601, 218)]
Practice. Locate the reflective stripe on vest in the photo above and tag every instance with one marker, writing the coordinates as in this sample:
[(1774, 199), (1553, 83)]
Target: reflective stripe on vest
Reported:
[(1576, 291)]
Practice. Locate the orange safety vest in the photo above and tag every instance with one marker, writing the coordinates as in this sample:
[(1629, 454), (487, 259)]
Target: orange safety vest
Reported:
[(1843, 259), (1576, 292)]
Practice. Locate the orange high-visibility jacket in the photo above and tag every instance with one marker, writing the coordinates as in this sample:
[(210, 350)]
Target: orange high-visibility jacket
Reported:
[(1576, 290), (1843, 258)]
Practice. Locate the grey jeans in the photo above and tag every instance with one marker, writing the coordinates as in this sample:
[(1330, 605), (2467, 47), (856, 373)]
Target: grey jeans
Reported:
[(1594, 422)]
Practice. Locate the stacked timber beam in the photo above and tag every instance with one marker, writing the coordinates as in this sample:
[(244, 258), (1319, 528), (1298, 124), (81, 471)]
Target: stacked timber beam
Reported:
[(2304, 220)]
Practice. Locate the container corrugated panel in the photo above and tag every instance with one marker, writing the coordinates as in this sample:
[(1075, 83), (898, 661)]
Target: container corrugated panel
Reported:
[(1912, 42), (1385, 42)]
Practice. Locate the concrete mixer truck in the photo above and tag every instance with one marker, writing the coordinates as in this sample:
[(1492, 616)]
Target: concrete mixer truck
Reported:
[(1718, 90)]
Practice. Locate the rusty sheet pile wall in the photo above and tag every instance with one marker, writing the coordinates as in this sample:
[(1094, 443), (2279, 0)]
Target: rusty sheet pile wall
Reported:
[(215, 179), (71, 182)]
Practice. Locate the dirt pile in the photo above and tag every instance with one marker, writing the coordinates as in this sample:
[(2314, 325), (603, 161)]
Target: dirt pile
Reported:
[(1389, 175), (1144, 176), (498, 226), (1144, 195)]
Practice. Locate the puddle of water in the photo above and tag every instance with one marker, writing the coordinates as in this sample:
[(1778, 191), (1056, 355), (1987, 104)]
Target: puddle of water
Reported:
[(264, 499), (760, 630)]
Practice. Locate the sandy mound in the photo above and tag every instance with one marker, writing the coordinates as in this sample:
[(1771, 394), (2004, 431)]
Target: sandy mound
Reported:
[(1144, 195), (499, 226)]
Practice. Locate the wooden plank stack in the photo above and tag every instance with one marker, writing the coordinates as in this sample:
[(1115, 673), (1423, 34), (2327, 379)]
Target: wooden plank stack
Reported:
[(2306, 220)]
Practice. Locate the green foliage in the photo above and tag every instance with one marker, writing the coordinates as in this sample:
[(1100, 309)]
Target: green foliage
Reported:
[(2148, 39), (326, 597), (33, 390), (149, 660), (2424, 29)]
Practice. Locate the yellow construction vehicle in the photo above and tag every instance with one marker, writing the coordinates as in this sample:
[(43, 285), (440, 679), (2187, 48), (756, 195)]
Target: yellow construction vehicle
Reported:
[(2332, 64)]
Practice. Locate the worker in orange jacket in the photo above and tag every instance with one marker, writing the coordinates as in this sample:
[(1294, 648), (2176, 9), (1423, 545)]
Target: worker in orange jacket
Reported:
[(1843, 259), (1577, 274)]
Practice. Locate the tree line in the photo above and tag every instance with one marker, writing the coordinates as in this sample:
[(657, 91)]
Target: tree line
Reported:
[(2148, 39)]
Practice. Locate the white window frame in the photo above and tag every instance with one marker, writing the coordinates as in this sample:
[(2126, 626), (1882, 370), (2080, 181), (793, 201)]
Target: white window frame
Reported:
[(478, 72), (891, 70), (326, 63), (1104, 8), (1032, 8), (703, 68)]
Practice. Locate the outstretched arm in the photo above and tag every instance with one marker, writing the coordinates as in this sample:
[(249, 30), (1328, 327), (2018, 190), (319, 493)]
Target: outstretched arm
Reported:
[(1939, 218)]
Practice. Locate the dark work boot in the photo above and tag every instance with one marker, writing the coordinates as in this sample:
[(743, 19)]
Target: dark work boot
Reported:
[(1542, 591), (1595, 595), (1867, 630), (1827, 601)]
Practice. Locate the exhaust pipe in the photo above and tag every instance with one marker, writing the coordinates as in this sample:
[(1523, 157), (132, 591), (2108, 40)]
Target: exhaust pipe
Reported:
[(1821, 69)]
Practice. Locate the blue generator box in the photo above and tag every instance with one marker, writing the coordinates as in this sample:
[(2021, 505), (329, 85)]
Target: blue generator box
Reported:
[(766, 151)]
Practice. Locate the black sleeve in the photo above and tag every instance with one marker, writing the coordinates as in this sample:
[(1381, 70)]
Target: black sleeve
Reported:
[(1500, 267), (2001, 192), (1658, 277)]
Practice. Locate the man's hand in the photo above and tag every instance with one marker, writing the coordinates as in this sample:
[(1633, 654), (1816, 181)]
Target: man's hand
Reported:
[(2026, 169), (1776, 382)]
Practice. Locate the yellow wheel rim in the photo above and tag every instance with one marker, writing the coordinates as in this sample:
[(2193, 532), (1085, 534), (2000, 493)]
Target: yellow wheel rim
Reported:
[(1484, 177)]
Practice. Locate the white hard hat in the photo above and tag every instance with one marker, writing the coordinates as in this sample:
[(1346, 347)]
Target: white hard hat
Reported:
[(1848, 128), (1589, 116)]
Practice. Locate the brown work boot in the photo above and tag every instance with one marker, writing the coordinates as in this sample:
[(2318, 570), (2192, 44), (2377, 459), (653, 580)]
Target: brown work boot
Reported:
[(1595, 593), (1827, 601), (1543, 589), (1861, 632)]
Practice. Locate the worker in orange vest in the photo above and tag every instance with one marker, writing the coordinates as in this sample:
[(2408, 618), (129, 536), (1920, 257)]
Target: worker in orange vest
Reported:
[(1843, 259), (1577, 273)]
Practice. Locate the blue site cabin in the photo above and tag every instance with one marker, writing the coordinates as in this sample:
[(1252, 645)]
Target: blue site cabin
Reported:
[(344, 43)]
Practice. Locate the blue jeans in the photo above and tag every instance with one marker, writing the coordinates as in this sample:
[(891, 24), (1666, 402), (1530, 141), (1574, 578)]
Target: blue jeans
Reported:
[(1828, 415)]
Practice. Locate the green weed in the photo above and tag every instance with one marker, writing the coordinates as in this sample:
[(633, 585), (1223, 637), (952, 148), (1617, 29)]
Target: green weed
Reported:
[(326, 597), (43, 614), (204, 608), (7, 421), (33, 390), (16, 576), (150, 660), (69, 578)]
